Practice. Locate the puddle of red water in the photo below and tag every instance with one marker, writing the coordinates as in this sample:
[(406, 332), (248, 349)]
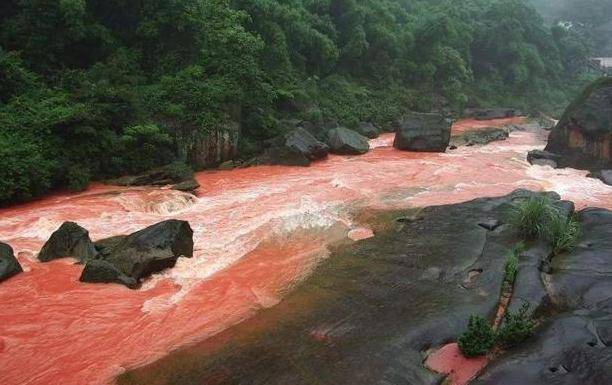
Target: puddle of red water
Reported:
[(57, 330), (450, 361)]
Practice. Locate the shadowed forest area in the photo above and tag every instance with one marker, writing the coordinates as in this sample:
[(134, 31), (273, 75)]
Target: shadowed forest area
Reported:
[(93, 89)]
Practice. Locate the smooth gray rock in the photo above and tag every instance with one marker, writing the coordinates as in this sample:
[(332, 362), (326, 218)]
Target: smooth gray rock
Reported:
[(343, 141), (428, 132), (296, 148)]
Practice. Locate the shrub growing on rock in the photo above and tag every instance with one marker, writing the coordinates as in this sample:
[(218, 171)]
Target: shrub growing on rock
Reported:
[(478, 339), (517, 327), (563, 233), (530, 218)]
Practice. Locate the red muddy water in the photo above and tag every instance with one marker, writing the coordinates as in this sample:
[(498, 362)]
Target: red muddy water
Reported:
[(257, 231)]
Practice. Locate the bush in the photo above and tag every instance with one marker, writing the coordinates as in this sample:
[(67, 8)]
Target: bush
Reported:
[(538, 218), (531, 217), (563, 233), (478, 339), (517, 328)]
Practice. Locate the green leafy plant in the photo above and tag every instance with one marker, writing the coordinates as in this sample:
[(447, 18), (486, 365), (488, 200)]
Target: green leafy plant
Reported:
[(511, 267), (517, 327), (563, 233), (531, 217), (478, 339)]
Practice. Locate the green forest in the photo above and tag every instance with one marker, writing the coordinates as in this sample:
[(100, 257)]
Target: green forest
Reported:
[(94, 89)]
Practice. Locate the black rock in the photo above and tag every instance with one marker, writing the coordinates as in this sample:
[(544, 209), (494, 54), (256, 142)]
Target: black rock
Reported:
[(142, 253), (423, 132), (368, 130), (296, 148), (70, 240), (101, 271), (343, 141), (543, 158), (9, 266), (603, 175)]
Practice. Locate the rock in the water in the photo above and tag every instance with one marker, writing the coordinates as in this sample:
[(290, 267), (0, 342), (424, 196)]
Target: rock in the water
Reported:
[(173, 173), (101, 271), (343, 141), (187, 186), (70, 240), (423, 132), (604, 175), (583, 136), (543, 158), (142, 253), (480, 137), (491, 113), (368, 130), (9, 266), (296, 148)]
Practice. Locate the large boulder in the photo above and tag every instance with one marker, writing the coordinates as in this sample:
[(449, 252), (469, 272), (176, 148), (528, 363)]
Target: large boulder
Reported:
[(423, 132), (583, 136), (296, 148), (343, 141), (9, 266), (70, 240), (131, 258), (480, 137), (368, 130)]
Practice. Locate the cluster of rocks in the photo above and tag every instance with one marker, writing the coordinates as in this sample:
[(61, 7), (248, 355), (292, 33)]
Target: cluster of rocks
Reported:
[(583, 137), (305, 142), (124, 259)]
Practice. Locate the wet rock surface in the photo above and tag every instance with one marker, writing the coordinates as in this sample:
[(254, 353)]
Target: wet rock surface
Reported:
[(428, 132), (368, 314), (296, 148), (583, 136), (9, 266), (70, 240), (343, 141), (129, 259)]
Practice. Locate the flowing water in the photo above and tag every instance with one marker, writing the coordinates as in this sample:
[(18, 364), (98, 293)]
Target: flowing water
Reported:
[(257, 232)]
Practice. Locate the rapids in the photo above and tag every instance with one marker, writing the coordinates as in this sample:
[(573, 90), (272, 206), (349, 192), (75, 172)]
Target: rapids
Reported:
[(257, 231)]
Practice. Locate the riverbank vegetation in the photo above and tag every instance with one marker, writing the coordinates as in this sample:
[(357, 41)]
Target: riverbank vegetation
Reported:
[(93, 89)]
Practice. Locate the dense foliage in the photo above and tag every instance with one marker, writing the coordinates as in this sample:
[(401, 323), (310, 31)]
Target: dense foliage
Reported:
[(517, 327), (478, 338), (97, 88)]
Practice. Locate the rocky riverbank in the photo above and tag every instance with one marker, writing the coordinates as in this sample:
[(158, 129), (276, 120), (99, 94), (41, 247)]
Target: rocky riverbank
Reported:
[(373, 311)]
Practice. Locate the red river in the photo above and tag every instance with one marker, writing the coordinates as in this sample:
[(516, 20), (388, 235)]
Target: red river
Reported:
[(257, 231)]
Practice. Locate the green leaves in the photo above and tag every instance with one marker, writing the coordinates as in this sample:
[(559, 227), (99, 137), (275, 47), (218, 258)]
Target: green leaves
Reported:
[(478, 339)]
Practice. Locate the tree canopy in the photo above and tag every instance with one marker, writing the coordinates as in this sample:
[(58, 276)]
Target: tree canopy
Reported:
[(86, 85)]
